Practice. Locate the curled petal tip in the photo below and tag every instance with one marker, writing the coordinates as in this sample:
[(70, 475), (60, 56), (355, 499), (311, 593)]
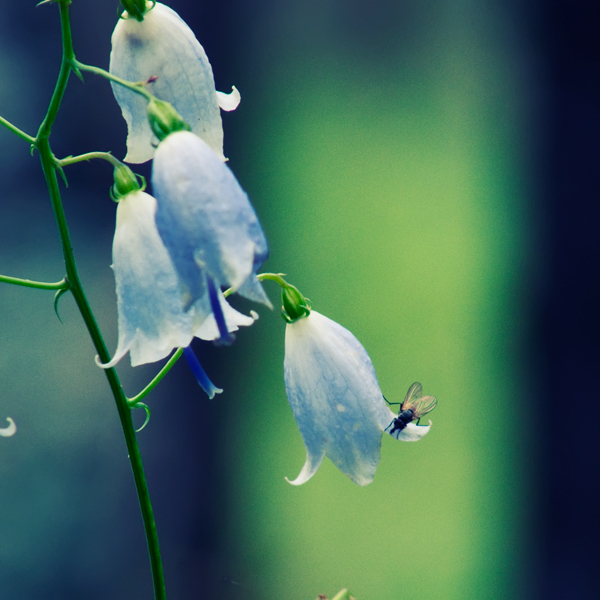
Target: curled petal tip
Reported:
[(109, 364), (313, 462), (229, 102), (10, 430)]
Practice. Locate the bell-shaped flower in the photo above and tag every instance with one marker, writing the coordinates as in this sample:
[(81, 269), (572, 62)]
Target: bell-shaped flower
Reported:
[(10, 430), (207, 224), (163, 50), (333, 391), (152, 320)]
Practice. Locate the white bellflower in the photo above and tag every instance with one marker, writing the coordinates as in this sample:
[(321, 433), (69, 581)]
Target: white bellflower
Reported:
[(207, 224), (333, 391), (152, 319), (163, 49)]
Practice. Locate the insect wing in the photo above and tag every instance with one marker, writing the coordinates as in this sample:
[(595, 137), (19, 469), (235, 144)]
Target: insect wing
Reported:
[(415, 391), (424, 405)]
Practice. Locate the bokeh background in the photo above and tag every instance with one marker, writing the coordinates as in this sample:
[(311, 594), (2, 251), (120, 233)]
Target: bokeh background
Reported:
[(423, 172)]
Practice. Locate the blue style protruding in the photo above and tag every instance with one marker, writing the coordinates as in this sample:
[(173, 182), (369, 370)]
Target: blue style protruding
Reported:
[(201, 377)]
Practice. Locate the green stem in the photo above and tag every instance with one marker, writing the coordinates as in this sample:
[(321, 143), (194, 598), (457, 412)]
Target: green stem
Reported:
[(49, 169), (137, 87), (71, 160), (136, 399), (16, 130), (40, 285), (277, 277), (342, 595)]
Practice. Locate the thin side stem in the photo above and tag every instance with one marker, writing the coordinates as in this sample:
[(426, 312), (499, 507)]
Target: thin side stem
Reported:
[(40, 285), (17, 131), (137, 87), (49, 169), (136, 399), (71, 160)]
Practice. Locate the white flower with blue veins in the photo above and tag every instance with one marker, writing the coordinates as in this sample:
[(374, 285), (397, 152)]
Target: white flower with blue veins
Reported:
[(207, 224), (333, 391), (164, 50)]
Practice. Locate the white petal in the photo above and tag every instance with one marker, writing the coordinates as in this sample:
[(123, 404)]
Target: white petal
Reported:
[(152, 321), (413, 432), (10, 430), (229, 102), (163, 46), (311, 466), (208, 329), (334, 394), (205, 219)]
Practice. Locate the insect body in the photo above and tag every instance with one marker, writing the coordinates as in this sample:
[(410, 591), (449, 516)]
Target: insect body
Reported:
[(413, 408)]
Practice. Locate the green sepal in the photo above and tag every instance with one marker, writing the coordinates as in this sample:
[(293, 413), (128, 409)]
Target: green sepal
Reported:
[(136, 8), (164, 119), (126, 181), (295, 305)]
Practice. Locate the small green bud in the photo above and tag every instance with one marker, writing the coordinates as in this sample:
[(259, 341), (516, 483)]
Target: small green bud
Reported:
[(295, 305), (137, 8), (125, 182), (164, 119)]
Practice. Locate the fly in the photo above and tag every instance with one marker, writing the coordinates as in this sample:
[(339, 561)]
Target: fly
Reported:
[(415, 405)]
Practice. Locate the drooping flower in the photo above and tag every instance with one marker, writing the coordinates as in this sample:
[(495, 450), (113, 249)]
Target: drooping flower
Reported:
[(152, 320), (10, 430), (163, 49), (207, 224), (335, 397)]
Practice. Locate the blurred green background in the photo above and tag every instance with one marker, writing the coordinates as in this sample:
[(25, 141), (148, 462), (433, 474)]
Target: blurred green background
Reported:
[(382, 145), (386, 173)]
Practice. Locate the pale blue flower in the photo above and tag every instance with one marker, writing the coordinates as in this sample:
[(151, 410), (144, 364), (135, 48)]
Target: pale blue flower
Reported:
[(164, 48), (152, 320), (207, 224), (333, 391), (10, 430)]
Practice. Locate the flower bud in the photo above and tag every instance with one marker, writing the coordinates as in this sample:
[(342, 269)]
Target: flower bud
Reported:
[(164, 119)]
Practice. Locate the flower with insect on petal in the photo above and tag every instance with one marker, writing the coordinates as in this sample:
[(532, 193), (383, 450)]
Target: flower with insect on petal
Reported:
[(10, 430), (162, 50), (333, 391), (207, 224)]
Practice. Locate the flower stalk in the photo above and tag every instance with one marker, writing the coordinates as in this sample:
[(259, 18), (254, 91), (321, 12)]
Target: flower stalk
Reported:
[(49, 168)]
